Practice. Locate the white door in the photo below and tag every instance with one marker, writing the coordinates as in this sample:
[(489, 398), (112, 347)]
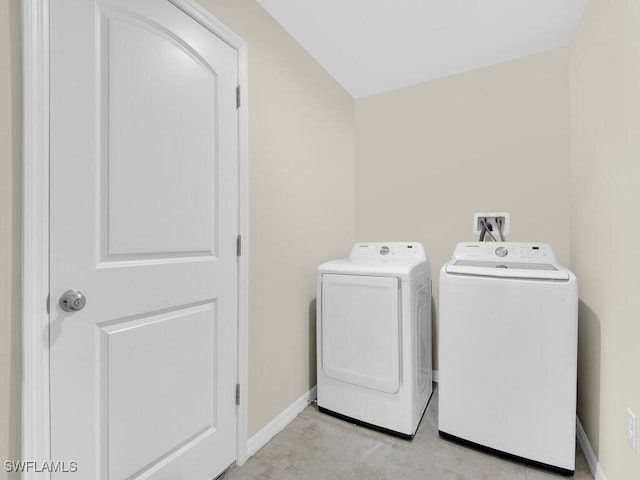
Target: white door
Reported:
[(144, 218)]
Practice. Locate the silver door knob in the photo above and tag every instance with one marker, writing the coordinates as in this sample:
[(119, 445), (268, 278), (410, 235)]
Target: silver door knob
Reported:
[(72, 301)]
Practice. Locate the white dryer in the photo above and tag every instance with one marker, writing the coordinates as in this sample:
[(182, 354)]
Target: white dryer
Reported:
[(508, 352), (374, 336)]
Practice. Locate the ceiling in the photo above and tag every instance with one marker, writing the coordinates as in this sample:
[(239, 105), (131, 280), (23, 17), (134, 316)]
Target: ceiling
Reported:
[(373, 46)]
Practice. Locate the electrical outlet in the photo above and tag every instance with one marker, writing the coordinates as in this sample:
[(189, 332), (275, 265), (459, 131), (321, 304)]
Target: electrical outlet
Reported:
[(492, 219), (632, 429)]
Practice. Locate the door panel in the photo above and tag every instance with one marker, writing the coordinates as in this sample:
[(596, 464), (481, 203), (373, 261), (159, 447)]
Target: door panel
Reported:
[(144, 209), (361, 330), (179, 153), (157, 386)]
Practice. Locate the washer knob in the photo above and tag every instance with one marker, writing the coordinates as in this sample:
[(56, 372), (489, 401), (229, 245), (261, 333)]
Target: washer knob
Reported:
[(502, 251)]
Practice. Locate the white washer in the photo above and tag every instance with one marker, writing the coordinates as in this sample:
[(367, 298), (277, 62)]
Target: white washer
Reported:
[(508, 352), (374, 336)]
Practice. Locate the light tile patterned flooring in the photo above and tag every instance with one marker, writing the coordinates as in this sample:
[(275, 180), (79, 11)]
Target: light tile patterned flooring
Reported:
[(319, 446)]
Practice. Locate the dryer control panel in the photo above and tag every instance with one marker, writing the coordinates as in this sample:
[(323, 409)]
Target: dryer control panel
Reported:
[(388, 251), (505, 251)]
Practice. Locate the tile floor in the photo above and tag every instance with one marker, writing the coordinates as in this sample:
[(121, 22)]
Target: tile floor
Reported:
[(319, 446)]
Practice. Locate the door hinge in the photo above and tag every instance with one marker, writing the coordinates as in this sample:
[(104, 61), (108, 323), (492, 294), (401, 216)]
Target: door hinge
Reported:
[(48, 304), (237, 394), (239, 246), (238, 96)]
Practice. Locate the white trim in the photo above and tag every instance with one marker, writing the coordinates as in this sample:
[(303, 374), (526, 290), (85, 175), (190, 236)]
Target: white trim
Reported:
[(36, 445), (243, 279), (275, 426), (435, 377), (35, 235), (589, 454), (211, 23)]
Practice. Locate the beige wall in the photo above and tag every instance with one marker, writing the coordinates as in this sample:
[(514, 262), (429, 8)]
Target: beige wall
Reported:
[(10, 205), (301, 175), (495, 139), (605, 228)]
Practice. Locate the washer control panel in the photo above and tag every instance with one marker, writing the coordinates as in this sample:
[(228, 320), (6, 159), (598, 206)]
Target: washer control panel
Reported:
[(503, 251), (388, 251)]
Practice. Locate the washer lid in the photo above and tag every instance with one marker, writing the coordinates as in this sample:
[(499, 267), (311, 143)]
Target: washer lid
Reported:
[(539, 271)]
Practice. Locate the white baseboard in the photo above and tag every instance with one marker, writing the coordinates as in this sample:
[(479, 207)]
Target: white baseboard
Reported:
[(589, 454), (275, 426)]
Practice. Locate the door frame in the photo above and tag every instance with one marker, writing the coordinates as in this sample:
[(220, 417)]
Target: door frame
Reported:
[(36, 421)]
